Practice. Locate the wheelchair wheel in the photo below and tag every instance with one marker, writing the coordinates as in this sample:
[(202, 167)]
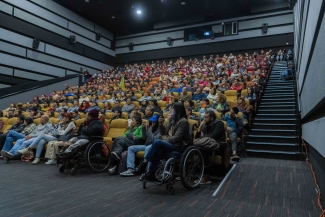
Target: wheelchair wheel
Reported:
[(97, 156), (191, 168), (165, 170)]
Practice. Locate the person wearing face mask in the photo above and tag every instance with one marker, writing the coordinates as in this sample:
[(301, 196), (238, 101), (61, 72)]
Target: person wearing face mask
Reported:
[(174, 138), (234, 129)]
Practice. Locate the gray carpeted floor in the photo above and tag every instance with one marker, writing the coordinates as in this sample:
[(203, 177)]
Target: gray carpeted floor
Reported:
[(257, 187)]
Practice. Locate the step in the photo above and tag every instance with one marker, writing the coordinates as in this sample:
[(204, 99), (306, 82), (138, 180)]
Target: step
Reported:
[(269, 146), (284, 155), (272, 96), (278, 99), (271, 116), (279, 83), (272, 107), (271, 126), (266, 102), (274, 132), (279, 93), (280, 86), (273, 138), (277, 111), (275, 120)]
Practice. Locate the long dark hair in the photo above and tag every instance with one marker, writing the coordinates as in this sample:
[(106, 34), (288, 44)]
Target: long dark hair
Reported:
[(180, 112)]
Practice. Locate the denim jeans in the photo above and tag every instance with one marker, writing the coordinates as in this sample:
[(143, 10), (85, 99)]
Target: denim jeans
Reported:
[(40, 141), (21, 144), (157, 149), (11, 137), (233, 140), (132, 150)]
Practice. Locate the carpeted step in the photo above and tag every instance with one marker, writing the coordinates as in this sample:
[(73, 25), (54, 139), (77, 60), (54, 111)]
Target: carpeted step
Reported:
[(269, 146), (274, 132), (271, 107), (273, 139), (285, 155), (272, 96), (280, 120), (270, 126), (277, 103), (277, 111)]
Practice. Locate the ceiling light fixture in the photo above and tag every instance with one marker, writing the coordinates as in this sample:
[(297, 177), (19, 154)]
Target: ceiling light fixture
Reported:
[(183, 3), (287, 43), (86, 0), (139, 12), (113, 17)]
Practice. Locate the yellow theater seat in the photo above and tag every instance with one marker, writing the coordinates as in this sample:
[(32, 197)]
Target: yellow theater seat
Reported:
[(117, 128), (231, 95)]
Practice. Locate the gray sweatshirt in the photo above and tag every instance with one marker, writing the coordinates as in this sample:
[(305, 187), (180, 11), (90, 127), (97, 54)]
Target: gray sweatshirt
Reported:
[(42, 129), (127, 108)]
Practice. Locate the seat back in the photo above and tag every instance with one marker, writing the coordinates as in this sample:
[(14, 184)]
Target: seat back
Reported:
[(12, 121), (218, 114), (138, 95), (231, 95), (117, 128), (54, 121), (37, 121)]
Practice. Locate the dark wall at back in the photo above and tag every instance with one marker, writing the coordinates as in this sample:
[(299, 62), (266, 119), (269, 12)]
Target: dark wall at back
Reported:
[(30, 30), (235, 46)]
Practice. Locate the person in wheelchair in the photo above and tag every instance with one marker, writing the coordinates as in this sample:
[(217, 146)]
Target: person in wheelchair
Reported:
[(93, 126), (234, 128), (213, 128), (149, 134), (131, 137), (175, 136)]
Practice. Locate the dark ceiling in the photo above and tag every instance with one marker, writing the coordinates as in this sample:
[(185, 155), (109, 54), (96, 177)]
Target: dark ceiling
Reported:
[(169, 13)]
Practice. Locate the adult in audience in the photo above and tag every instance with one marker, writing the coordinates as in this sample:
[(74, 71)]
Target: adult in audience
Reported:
[(212, 95), (63, 111), (204, 106), (93, 105), (245, 109), (75, 106), (143, 106), (128, 107), (64, 127), (75, 115), (84, 106), (117, 106), (148, 112), (145, 97), (234, 129), (154, 104), (117, 114), (184, 95), (17, 127), (63, 106), (213, 128), (83, 98), (198, 95), (149, 134), (251, 96), (174, 138), (221, 105), (43, 128)]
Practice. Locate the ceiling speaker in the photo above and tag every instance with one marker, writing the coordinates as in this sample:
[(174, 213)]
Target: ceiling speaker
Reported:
[(36, 42), (98, 35), (130, 46), (265, 26), (169, 41), (73, 39)]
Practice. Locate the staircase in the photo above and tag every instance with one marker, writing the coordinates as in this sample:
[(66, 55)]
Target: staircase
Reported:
[(275, 130)]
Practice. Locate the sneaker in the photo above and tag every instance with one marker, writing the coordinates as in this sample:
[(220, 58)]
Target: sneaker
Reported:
[(115, 156), (23, 151), (36, 161), (178, 178), (51, 162), (7, 154), (129, 172), (235, 157), (112, 170), (150, 176), (141, 168), (204, 181)]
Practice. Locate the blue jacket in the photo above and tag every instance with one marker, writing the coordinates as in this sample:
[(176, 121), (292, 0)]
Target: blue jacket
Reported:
[(91, 108), (199, 96)]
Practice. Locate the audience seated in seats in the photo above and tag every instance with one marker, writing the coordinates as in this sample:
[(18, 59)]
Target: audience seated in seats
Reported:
[(223, 86), (189, 103), (148, 112), (75, 115), (75, 106), (93, 105), (251, 96), (236, 86), (198, 95), (145, 97), (84, 106), (172, 101), (203, 106), (128, 107), (143, 106), (63, 106), (24, 141), (190, 115), (221, 105), (212, 95), (116, 115), (245, 109), (65, 127), (234, 129), (154, 104), (17, 127), (92, 127), (132, 136), (174, 138), (149, 134), (213, 128), (102, 118), (63, 111), (132, 114), (117, 106), (184, 95)]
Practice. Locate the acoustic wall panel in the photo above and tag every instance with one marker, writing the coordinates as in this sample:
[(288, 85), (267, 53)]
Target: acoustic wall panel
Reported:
[(150, 38), (271, 21), (313, 133), (10, 48), (41, 12), (18, 39), (88, 34), (5, 8), (21, 63), (31, 76), (75, 57), (6, 71), (64, 12), (4, 85), (71, 73), (56, 61)]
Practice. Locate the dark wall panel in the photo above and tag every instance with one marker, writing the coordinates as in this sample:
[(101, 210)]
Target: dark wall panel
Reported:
[(30, 30), (202, 49)]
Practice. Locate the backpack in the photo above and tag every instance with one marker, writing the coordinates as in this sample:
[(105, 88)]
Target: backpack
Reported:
[(122, 164), (206, 143)]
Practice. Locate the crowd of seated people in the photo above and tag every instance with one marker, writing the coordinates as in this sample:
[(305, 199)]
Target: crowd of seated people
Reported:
[(227, 85)]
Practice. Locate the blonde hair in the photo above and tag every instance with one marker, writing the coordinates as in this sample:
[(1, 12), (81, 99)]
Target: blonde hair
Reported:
[(222, 97)]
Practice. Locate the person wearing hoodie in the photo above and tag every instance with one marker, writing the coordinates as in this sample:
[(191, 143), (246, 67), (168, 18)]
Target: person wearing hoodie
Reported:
[(43, 128)]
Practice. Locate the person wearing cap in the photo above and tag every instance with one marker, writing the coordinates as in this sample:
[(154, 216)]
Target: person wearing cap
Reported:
[(149, 134), (234, 129), (93, 106), (65, 127)]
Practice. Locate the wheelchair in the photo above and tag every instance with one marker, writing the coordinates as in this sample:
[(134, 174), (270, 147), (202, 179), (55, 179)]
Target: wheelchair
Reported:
[(94, 155), (190, 164)]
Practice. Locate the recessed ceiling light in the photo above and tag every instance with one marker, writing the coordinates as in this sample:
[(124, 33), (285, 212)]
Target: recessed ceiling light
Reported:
[(287, 43), (113, 17), (86, 0), (183, 3), (139, 12)]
